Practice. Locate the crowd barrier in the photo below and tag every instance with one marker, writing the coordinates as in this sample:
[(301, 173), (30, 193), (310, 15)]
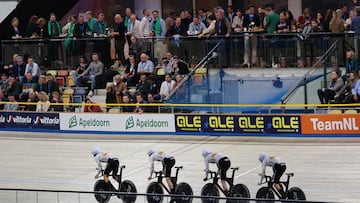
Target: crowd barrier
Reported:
[(302, 125)]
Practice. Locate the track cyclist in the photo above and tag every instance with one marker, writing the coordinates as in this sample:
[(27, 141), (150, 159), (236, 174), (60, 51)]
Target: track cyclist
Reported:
[(112, 165), (167, 161), (223, 163), (278, 166)]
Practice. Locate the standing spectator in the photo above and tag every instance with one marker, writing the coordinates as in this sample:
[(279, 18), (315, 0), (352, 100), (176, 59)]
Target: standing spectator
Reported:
[(56, 102), (32, 29), (352, 14), (283, 25), (271, 20), (91, 21), (166, 86), (261, 14), (352, 4), (145, 66), (135, 48), (119, 35), (14, 106), (238, 22), (33, 68), (68, 32), (14, 31), (94, 70), (290, 18), (177, 29), (202, 16), (328, 17), (305, 18), (42, 28), (337, 23), (32, 100), (188, 18), (131, 75), (223, 26), (196, 27), (170, 20), (101, 25), (230, 14), (157, 24), (344, 12), (43, 104), (80, 32), (128, 13), (145, 24), (320, 20), (52, 86), (327, 94), (54, 27), (10, 70), (355, 23), (251, 20), (133, 27)]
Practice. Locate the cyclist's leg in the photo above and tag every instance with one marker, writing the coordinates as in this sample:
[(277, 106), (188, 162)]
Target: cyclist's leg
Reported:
[(279, 170), (168, 164), (224, 165), (115, 170)]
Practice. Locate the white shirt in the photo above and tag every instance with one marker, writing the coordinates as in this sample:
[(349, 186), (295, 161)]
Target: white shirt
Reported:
[(33, 69), (212, 158), (166, 87), (271, 161), (102, 158), (144, 27), (134, 28), (42, 106), (157, 156)]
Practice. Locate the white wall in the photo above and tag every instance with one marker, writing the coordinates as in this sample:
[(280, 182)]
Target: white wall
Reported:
[(295, 6), (140, 5)]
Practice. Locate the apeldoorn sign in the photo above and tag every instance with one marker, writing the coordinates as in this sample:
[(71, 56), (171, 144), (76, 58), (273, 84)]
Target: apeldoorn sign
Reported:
[(330, 124), (117, 122)]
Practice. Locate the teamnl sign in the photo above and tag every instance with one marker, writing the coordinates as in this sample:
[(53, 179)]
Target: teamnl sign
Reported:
[(117, 122), (330, 124)]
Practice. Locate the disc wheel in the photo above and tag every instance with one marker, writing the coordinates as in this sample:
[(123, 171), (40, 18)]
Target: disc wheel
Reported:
[(101, 197), (295, 193), (266, 194), (152, 190), (128, 186), (209, 193), (239, 191), (186, 190)]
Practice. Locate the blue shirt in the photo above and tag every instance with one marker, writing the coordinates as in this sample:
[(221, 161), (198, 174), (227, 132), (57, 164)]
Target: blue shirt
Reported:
[(147, 66), (355, 25)]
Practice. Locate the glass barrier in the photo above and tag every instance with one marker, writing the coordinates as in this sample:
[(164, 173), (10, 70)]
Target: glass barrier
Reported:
[(48, 196)]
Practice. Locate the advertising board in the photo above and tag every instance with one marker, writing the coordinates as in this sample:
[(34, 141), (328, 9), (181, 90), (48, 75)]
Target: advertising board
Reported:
[(330, 124)]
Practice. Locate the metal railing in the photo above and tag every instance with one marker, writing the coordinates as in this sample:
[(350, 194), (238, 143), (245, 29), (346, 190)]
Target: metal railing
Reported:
[(10, 195)]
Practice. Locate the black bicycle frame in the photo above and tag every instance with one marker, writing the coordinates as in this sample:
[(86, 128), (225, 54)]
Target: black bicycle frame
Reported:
[(159, 176), (214, 176), (269, 181)]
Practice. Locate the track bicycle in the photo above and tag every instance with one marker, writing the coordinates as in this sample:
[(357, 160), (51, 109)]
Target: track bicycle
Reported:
[(269, 193), (124, 187), (236, 191), (155, 190)]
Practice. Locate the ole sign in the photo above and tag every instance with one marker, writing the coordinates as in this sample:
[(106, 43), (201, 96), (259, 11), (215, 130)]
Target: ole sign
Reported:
[(330, 124)]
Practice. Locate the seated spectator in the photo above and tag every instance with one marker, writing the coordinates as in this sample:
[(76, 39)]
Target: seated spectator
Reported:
[(14, 87), (135, 48), (327, 94), (52, 85), (2, 99), (145, 66), (28, 85), (179, 67), (43, 104), (177, 30), (126, 100), (182, 91), (143, 86), (19, 69), (131, 77), (91, 106), (153, 87), (237, 23), (167, 86), (351, 63), (81, 67), (151, 100), (9, 70), (95, 69), (115, 91), (345, 96), (42, 84), (55, 101), (14, 106), (33, 68), (33, 99), (196, 27), (139, 101), (356, 91), (4, 82)]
